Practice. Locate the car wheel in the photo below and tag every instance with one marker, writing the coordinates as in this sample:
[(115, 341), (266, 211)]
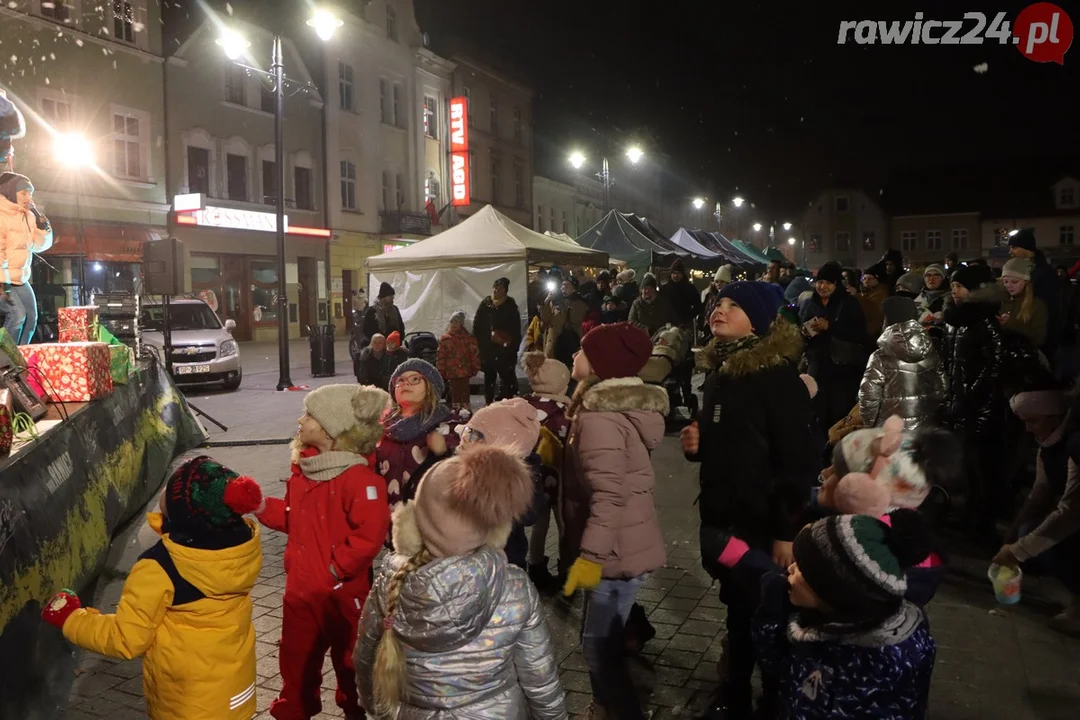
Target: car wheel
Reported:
[(233, 384)]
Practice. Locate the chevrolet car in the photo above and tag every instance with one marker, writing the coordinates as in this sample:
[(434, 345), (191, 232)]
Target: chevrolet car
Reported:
[(203, 349)]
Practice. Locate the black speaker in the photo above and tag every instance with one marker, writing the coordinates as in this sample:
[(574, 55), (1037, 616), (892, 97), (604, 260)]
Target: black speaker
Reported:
[(163, 262)]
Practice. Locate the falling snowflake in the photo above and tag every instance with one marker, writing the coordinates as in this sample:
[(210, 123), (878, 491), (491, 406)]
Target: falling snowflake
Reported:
[(14, 59), (981, 68), (13, 4), (78, 42), (52, 56), (228, 8), (138, 27), (47, 81)]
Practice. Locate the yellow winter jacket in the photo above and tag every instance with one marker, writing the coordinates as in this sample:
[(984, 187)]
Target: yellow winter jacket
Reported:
[(196, 634)]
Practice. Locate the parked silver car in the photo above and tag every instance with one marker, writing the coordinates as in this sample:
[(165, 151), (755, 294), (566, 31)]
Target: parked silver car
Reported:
[(203, 350)]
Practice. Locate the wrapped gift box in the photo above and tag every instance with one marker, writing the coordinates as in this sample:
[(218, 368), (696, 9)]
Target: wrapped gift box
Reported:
[(78, 324), (74, 372), (6, 417), (121, 361), (9, 348)]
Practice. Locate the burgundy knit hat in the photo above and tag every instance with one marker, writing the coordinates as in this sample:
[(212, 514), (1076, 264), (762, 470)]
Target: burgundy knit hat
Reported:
[(617, 350)]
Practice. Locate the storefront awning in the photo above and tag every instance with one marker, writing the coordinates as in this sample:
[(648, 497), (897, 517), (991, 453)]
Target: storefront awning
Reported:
[(103, 242)]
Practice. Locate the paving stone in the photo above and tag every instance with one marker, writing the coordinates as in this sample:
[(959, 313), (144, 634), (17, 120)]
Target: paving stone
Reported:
[(679, 658), (672, 617), (688, 591), (701, 627), (669, 696), (676, 603), (709, 614), (664, 631), (575, 681), (694, 643)]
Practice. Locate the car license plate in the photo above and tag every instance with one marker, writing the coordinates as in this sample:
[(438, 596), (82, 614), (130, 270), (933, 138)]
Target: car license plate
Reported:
[(192, 369)]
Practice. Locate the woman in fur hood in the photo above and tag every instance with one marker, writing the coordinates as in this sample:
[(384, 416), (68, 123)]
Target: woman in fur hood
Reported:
[(756, 441), (611, 531)]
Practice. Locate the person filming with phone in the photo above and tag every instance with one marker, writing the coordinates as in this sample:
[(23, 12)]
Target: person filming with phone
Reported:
[(24, 230)]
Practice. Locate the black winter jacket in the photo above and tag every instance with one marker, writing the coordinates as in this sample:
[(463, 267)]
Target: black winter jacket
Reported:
[(846, 323), (684, 299), (758, 454), (489, 318), (1048, 288), (975, 404)]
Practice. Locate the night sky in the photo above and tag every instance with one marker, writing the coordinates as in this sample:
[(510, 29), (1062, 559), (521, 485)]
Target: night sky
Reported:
[(760, 99)]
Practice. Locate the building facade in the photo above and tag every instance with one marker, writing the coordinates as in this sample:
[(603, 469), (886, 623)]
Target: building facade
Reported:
[(844, 225), (1055, 216), (925, 239), (222, 179), (88, 78)]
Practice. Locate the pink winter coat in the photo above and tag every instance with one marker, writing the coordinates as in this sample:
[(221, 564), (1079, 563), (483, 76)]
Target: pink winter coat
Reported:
[(19, 240), (609, 512)]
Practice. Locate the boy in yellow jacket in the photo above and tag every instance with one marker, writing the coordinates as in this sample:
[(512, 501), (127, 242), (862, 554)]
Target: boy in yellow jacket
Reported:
[(185, 604)]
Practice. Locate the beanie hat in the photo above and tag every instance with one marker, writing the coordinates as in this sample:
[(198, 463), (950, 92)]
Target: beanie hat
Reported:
[(971, 276), (877, 270), (1039, 403), (912, 282), (572, 280), (831, 272), (897, 309), (468, 501), (860, 494), (204, 496), (934, 269), (1024, 239), (509, 423), (423, 367), (11, 183), (394, 337), (505, 282), (626, 276), (547, 376), (723, 274), (459, 316), (603, 275), (386, 290), (678, 266), (648, 281), (850, 563), (795, 288), (754, 302), (1019, 268), (618, 350), (339, 408)]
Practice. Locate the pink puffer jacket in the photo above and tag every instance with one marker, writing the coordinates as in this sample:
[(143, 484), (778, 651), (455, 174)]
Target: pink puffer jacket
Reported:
[(19, 240)]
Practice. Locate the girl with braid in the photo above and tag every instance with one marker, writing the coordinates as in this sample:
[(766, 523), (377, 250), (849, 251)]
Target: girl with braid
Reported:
[(450, 627)]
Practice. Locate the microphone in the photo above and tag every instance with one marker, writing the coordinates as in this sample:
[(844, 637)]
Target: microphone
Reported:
[(41, 221)]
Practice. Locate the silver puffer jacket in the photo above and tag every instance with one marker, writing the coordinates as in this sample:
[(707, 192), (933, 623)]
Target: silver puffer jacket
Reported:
[(475, 640), (904, 377)]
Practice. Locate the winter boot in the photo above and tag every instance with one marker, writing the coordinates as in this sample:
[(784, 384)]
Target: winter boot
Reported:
[(542, 578), (638, 631)]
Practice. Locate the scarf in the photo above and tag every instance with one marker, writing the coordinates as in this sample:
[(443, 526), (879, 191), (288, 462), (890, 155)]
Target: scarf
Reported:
[(384, 317), (497, 303), (328, 465), (933, 295), (404, 429), (721, 351)]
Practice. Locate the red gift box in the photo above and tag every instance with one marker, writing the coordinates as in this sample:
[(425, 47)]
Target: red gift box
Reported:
[(78, 324), (7, 415), (73, 372)]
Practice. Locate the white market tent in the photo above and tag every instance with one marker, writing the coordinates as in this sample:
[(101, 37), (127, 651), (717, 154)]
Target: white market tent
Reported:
[(455, 269)]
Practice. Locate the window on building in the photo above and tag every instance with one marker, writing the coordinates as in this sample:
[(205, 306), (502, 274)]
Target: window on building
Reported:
[(519, 184), (57, 112), (933, 239), (235, 84), (431, 188), (267, 99), (564, 225), (960, 239), (386, 190), (198, 170), (124, 25), (1067, 235), (399, 110), (302, 188), (496, 161), (908, 239), (493, 116), (842, 205), (129, 138), (399, 190), (815, 243), (869, 238), (431, 117), (345, 86), (236, 170), (384, 101), (552, 223), (269, 182), (472, 172), (57, 10), (843, 241), (391, 22), (264, 288), (467, 94), (348, 185), (1067, 196), (519, 134), (540, 218)]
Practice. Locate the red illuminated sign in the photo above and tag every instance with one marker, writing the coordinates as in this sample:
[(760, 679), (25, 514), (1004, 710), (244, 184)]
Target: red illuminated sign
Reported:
[(459, 151)]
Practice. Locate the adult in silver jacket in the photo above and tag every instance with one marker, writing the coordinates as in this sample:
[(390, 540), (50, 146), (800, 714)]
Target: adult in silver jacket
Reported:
[(470, 625), (904, 376)]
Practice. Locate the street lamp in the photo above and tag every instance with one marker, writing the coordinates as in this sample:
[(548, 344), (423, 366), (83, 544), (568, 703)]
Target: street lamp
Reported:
[(699, 203), (791, 241), (737, 201), (635, 154), (235, 45), (76, 152), (787, 226), (757, 227), (577, 160)]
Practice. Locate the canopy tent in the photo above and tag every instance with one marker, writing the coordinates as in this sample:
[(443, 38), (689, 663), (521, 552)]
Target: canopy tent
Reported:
[(455, 269), (747, 261), (701, 257), (691, 240), (751, 251), (627, 239)]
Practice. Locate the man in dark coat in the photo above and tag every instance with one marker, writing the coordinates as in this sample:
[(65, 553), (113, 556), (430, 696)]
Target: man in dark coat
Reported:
[(497, 327), (683, 297), (1048, 286), (382, 317)]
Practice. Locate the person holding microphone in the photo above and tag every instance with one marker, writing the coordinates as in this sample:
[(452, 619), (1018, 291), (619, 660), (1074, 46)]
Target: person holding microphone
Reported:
[(24, 230)]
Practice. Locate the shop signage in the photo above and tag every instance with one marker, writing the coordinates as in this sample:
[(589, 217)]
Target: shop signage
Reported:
[(233, 218), (459, 151)]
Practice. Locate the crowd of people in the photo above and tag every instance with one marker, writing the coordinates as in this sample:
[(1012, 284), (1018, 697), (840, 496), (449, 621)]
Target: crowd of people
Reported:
[(838, 414)]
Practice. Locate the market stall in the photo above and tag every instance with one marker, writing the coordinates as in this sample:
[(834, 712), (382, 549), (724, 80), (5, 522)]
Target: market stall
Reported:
[(455, 269), (627, 239)]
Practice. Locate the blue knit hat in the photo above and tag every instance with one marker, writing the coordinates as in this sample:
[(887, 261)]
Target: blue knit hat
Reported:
[(757, 300), (423, 367)]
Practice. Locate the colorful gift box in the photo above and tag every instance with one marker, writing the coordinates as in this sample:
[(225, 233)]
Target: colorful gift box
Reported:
[(9, 348), (121, 361), (6, 416), (74, 372), (78, 324)]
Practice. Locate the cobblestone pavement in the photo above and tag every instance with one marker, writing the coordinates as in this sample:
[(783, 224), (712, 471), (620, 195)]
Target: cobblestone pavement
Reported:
[(992, 662)]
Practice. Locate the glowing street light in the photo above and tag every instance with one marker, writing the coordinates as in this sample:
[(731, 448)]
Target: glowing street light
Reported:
[(1013, 232), (635, 153), (791, 241), (737, 201), (233, 44), (325, 24), (699, 203), (73, 150), (577, 159), (787, 226), (757, 227)]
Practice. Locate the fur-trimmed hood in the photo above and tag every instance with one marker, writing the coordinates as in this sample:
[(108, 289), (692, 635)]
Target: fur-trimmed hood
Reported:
[(625, 395), (783, 344)]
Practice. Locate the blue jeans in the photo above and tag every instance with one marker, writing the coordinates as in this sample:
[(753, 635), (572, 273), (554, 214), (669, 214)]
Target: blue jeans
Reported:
[(22, 314), (607, 607)]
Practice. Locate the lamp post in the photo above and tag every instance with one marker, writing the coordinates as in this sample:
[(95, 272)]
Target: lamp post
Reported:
[(75, 152), (235, 47), (578, 159)]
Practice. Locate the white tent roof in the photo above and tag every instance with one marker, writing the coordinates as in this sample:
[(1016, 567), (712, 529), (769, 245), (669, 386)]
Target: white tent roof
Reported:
[(486, 238)]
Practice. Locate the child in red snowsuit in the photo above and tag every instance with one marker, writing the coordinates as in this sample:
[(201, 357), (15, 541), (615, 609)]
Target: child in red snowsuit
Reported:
[(336, 514)]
